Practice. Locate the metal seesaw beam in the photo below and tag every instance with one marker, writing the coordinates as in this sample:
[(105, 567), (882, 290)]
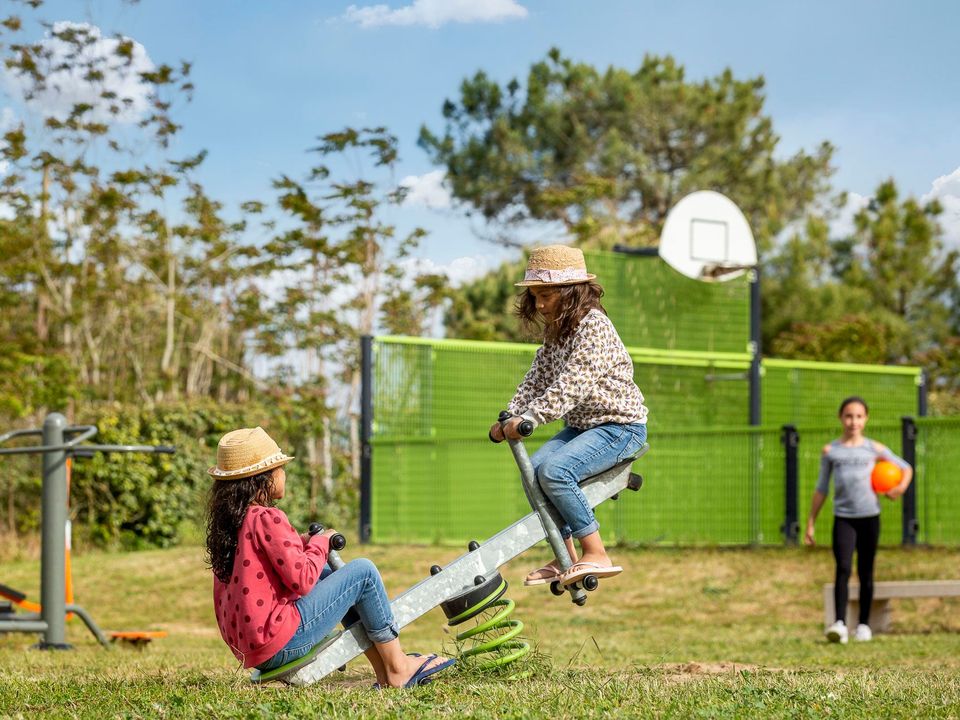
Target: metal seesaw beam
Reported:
[(459, 575)]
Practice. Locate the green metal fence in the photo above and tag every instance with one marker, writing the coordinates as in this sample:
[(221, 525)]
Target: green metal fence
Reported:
[(652, 305), (809, 393), (710, 478), (938, 480)]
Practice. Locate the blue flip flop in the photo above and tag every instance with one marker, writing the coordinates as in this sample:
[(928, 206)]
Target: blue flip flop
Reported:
[(423, 673), (377, 686)]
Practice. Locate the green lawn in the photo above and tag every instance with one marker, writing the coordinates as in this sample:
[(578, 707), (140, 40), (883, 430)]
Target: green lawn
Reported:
[(683, 633)]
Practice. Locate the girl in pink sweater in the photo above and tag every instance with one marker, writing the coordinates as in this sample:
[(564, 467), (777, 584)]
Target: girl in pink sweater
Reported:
[(274, 596)]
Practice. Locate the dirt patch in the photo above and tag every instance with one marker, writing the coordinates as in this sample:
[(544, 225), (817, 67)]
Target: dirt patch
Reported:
[(684, 672)]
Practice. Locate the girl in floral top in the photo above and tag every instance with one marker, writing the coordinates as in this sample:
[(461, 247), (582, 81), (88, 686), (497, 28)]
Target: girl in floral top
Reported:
[(583, 374)]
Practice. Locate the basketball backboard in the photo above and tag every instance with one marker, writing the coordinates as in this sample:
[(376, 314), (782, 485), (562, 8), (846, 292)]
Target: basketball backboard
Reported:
[(706, 237)]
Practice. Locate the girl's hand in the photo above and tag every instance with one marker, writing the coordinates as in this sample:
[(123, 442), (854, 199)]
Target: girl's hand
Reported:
[(329, 533), (896, 492), (496, 432), (808, 535), (511, 428)]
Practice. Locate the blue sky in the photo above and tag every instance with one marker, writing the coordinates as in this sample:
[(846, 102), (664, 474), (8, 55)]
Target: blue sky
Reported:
[(877, 79)]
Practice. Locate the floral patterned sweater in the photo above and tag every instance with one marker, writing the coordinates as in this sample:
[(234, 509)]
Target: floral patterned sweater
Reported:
[(587, 379)]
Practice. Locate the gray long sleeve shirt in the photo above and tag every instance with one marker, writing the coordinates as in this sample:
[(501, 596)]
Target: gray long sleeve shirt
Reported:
[(851, 468)]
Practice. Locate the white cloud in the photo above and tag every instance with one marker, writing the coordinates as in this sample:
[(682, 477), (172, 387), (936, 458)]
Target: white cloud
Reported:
[(68, 87), (946, 189), (7, 119), (434, 13), (458, 271), (842, 226), (427, 190)]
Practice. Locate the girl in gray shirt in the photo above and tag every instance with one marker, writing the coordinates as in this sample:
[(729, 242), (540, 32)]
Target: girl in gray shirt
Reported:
[(856, 510)]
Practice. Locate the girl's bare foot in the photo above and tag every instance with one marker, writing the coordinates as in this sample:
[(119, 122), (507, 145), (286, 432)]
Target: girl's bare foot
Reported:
[(398, 676), (547, 573), (601, 559)]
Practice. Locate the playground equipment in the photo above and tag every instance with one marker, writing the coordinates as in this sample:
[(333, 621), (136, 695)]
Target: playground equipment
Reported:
[(472, 583), (49, 618)]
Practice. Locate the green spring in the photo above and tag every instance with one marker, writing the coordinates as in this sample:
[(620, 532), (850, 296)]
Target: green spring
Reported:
[(501, 645)]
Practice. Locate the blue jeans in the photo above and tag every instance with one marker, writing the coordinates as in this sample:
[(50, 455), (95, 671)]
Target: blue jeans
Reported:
[(570, 457), (354, 591)]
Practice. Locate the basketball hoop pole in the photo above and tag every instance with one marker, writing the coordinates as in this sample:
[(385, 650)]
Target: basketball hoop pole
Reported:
[(755, 344)]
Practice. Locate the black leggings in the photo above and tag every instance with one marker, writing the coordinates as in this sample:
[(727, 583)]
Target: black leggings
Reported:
[(862, 534)]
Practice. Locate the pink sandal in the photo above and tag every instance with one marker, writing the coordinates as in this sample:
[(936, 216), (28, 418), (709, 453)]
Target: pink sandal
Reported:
[(579, 570), (551, 574)]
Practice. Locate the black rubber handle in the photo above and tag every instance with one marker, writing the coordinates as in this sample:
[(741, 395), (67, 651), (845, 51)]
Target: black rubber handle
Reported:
[(337, 541), (525, 428), (166, 449)]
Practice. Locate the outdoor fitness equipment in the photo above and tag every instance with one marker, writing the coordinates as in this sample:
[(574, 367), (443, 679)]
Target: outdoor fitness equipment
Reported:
[(56, 449), (472, 583)]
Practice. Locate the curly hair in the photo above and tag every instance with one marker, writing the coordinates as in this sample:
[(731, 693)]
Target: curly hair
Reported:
[(226, 509), (575, 302)]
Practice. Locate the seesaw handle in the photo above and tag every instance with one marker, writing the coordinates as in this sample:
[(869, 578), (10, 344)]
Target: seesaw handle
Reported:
[(337, 541), (525, 428)]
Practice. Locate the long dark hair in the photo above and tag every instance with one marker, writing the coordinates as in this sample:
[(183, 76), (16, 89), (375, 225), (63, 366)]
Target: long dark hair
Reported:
[(229, 500), (575, 302)]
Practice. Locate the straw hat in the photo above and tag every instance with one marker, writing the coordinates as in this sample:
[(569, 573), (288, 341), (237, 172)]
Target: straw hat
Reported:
[(246, 452), (555, 265)]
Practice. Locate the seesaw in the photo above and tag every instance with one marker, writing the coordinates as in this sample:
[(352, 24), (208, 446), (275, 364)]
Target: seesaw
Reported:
[(472, 583)]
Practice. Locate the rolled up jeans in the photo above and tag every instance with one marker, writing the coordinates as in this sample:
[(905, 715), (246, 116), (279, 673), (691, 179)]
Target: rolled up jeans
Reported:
[(353, 592), (573, 455)]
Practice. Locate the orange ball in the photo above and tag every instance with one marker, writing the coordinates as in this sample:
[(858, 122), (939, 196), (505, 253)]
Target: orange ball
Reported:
[(885, 476)]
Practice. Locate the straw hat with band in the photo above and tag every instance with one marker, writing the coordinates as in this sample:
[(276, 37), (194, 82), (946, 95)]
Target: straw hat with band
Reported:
[(246, 452), (555, 265)]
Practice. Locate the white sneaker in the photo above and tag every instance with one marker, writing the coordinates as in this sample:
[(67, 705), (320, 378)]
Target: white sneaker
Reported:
[(864, 633), (837, 633)]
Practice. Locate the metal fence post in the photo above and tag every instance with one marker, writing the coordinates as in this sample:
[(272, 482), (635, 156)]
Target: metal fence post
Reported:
[(908, 437), (53, 584), (922, 394), (366, 432), (791, 526)]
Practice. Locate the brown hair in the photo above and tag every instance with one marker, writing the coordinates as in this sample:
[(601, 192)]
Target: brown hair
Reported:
[(854, 399), (575, 302), (226, 509)]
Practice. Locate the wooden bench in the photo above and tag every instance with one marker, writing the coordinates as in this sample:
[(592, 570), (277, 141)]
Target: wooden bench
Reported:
[(883, 593)]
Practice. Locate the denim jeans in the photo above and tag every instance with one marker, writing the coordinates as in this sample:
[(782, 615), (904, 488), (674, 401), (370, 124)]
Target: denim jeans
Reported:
[(354, 591), (570, 457)]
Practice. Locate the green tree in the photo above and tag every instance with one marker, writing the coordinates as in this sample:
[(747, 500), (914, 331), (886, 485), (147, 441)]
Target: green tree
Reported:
[(484, 309), (607, 154), (350, 276), (885, 294), (899, 259)]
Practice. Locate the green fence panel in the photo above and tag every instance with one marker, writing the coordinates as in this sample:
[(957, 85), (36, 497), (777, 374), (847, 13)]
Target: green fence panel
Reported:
[(652, 305), (809, 393), (707, 486), (938, 480), (436, 478)]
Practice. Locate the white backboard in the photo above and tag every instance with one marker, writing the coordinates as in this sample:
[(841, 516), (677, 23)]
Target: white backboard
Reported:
[(706, 237)]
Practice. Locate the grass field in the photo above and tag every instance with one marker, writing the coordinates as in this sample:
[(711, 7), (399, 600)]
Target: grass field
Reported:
[(686, 633)]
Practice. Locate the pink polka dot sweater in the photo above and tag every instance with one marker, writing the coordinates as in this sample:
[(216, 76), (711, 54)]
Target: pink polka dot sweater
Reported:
[(272, 568)]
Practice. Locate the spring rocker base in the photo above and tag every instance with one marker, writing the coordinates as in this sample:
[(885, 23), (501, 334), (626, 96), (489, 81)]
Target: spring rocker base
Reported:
[(472, 582)]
